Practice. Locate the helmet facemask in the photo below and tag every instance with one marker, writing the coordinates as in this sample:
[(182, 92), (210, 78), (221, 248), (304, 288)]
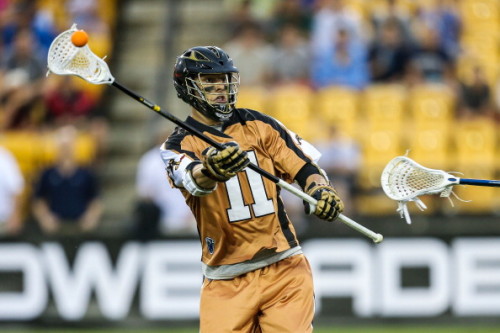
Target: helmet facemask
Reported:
[(214, 95)]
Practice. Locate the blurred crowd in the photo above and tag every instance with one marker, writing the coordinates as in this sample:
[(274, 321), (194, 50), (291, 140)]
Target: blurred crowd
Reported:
[(375, 79), (358, 43), (52, 129)]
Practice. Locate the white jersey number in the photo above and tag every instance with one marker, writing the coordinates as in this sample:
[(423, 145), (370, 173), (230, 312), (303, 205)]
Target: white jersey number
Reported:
[(261, 206)]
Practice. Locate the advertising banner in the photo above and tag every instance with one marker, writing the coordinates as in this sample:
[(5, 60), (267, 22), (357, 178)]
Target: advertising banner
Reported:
[(160, 280)]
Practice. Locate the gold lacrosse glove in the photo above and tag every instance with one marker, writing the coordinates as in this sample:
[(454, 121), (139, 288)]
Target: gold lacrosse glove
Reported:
[(223, 165), (329, 204)]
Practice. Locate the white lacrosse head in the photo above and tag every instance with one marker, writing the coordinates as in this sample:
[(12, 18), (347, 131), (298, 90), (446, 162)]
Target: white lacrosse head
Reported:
[(405, 180), (64, 58)]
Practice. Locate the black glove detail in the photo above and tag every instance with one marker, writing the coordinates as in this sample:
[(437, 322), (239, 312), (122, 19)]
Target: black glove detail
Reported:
[(223, 165), (329, 204)]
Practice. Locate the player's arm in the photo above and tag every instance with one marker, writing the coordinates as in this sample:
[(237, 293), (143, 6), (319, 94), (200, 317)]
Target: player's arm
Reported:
[(315, 182), (200, 177)]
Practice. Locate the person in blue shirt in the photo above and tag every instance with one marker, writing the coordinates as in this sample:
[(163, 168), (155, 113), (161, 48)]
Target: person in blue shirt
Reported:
[(345, 64)]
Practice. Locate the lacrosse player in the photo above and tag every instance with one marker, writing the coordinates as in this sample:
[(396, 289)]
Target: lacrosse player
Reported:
[(256, 278)]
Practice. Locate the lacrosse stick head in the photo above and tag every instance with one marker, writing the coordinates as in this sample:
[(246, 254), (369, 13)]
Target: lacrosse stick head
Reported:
[(64, 58), (405, 180)]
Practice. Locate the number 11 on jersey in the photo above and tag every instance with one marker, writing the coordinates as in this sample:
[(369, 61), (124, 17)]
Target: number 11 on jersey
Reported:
[(261, 206)]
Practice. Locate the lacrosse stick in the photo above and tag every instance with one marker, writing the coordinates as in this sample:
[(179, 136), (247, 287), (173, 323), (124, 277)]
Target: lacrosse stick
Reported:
[(66, 59), (405, 180)]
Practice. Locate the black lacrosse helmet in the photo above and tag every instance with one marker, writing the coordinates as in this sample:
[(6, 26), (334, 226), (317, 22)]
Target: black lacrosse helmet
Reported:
[(200, 60)]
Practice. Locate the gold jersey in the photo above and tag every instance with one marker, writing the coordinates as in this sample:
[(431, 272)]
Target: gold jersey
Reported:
[(244, 215)]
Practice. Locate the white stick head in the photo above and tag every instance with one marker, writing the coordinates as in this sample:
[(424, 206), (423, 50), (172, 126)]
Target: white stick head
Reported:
[(405, 180), (64, 58)]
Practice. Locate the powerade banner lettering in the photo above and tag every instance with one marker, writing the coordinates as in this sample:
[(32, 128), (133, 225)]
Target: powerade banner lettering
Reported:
[(163, 278)]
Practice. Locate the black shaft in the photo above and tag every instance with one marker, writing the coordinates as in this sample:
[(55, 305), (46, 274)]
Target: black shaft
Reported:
[(189, 128)]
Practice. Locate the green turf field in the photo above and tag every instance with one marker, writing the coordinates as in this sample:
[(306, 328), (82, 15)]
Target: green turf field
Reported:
[(343, 329)]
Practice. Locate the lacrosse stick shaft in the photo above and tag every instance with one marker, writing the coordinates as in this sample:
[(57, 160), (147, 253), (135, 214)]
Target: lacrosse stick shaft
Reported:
[(479, 182), (377, 238)]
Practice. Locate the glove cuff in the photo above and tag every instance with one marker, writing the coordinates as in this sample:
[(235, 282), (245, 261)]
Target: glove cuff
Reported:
[(313, 187)]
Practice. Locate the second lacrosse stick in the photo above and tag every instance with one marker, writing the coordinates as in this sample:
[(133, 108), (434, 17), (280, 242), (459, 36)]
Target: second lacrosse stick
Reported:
[(405, 180)]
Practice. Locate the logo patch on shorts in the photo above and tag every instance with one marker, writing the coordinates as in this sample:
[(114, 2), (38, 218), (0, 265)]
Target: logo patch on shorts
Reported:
[(210, 244)]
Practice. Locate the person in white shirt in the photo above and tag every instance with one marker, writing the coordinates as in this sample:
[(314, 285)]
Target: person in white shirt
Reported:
[(152, 186), (11, 189)]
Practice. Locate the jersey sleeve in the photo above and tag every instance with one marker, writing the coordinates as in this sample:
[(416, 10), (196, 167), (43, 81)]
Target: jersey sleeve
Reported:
[(290, 152), (176, 164), (306, 147)]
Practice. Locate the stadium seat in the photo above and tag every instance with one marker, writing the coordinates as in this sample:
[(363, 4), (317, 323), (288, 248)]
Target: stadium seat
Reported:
[(378, 148), (479, 10), (375, 204), (475, 146), (430, 147), (252, 98), (404, 6), (482, 46), (108, 11), (292, 106), (466, 65), (338, 106), (25, 146), (475, 143), (483, 200), (431, 106), (85, 149), (360, 7), (383, 106)]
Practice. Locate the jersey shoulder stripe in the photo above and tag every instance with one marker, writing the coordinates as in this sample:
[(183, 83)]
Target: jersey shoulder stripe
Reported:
[(174, 142), (247, 115)]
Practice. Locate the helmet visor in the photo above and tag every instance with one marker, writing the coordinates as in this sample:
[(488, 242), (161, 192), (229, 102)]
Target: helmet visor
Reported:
[(218, 90)]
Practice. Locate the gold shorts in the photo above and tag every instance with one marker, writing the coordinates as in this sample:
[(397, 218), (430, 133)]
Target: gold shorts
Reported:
[(277, 298)]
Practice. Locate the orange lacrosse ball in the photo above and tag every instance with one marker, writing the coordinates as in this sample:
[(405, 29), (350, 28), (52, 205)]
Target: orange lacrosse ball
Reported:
[(79, 38)]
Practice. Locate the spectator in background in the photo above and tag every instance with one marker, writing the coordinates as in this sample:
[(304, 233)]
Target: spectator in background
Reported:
[(291, 60), (399, 18), (341, 156), (67, 104), (475, 97), (11, 189), (22, 73), (243, 12), (291, 12), (389, 54), (160, 209), (345, 64), (429, 60), (66, 197), (443, 18), (241, 15), (251, 50), (26, 15), (331, 17), (85, 13)]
